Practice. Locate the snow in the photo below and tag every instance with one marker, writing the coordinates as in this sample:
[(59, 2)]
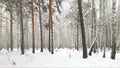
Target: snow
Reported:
[(61, 58), (64, 5)]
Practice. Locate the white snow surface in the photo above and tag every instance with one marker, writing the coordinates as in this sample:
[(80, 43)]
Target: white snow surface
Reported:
[(61, 58)]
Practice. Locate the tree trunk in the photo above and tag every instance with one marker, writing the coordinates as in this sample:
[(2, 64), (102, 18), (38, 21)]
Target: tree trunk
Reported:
[(94, 25), (50, 28), (0, 27), (40, 20), (26, 33), (77, 36), (104, 28), (52, 37), (18, 25), (92, 44), (21, 29), (113, 53), (33, 39), (49, 47), (11, 30), (118, 28), (100, 23), (7, 34), (82, 29)]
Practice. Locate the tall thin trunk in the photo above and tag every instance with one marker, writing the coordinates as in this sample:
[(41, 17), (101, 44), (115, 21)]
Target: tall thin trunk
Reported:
[(50, 28), (40, 20), (105, 44), (93, 28), (21, 29), (7, 34), (100, 21), (26, 33), (104, 28), (18, 25), (82, 29), (49, 47), (11, 30), (113, 53), (33, 39), (77, 36), (0, 27), (118, 28), (109, 29), (94, 23)]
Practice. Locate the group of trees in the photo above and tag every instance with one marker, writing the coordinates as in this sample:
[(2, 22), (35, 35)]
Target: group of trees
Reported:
[(92, 27)]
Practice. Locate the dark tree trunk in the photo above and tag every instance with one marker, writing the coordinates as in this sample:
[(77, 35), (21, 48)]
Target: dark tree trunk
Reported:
[(11, 30), (49, 47), (50, 28), (77, 37), (82, 29), (113, 30), (105, 44), (52, 52), (40, 20), (21, 29)]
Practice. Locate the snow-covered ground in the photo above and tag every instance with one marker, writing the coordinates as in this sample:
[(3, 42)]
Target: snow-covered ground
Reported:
[(61, 58)]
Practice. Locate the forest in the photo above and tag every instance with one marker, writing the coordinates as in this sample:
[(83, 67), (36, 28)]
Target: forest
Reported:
[(90, 27)]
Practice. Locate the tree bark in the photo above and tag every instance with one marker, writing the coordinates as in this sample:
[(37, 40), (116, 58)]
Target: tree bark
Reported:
[(7, 34), (104, 28), (77, 36), (113, 53), (94, 25), (0, 27), (50, 28), (21, 29), (33, 39), (82, 29), (40, 20), (49, 47), (11, 29)]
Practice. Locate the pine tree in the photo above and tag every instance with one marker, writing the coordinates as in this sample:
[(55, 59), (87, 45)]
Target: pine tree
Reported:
[(50, 28), (33, 38), (21, 29), (40, 20), (11, 29)]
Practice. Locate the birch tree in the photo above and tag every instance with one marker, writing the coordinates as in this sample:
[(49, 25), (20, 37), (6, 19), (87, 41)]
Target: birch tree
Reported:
[(93, 28), (113, 53)]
